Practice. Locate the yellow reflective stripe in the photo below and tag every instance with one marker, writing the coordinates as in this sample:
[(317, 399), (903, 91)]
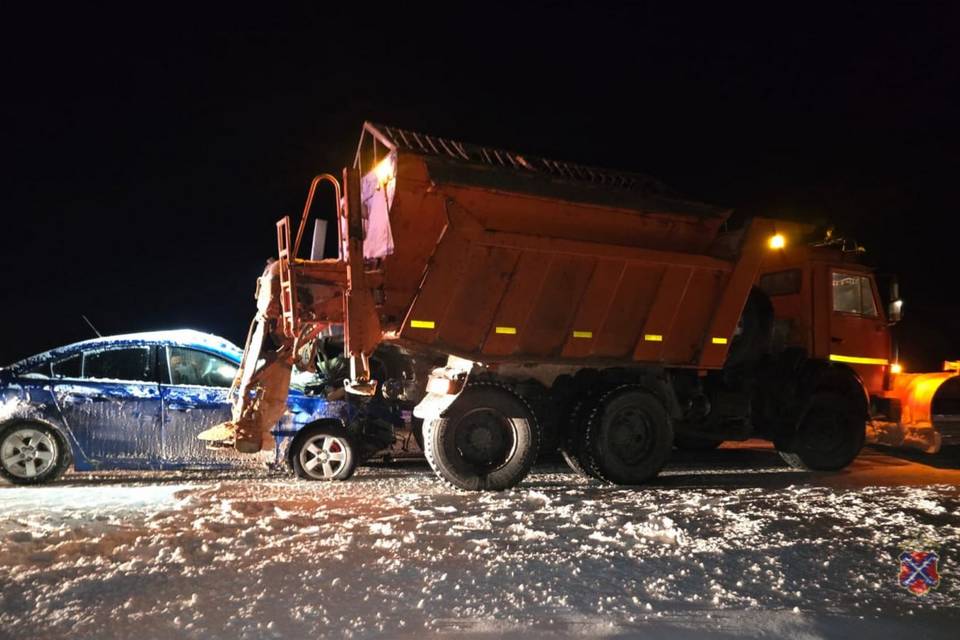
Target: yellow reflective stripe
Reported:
[(653, 337), (583, 334), (510, 331), (857, 360), (423, 324), (719, 341)]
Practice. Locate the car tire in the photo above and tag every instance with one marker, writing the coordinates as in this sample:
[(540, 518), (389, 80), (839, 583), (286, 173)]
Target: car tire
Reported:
[(32, 453), (324, 452), (829, 435), (629, 437), (487, 440)]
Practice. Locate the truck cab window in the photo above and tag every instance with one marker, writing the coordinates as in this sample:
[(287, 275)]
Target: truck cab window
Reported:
[(781, 283), (852, 293)]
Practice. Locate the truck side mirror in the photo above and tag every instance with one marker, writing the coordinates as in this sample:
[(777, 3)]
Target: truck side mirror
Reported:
[(895, 308), (895, 311)]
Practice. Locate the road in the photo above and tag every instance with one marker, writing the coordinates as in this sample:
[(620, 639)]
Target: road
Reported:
[(726, 543)]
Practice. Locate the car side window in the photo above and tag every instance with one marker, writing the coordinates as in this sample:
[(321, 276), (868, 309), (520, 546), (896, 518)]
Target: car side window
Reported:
[(132, 363), (852, 293), (192, 367), (41, 370), (69, 367)]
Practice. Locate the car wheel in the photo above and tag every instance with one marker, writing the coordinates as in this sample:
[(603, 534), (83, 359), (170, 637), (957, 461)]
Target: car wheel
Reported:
[(324, 453), (829, 436), (32, 453)]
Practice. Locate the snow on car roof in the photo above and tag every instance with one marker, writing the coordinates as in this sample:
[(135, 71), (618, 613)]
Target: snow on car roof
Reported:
[(182, 337)]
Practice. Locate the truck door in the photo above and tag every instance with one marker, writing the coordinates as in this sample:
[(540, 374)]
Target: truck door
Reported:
[(858, 329)]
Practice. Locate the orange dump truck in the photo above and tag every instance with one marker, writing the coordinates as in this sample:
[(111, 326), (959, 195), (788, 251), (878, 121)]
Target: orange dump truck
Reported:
[(552, 304)]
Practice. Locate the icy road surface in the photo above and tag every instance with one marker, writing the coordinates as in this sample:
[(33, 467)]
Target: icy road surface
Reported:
[(725, 544)]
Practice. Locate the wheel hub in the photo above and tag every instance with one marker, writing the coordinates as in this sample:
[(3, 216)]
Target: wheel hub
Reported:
[(484, 438), (28, 452), (323, 456), (630, 435)]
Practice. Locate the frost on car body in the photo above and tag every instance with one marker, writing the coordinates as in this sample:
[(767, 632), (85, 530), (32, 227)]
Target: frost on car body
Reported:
[(120, 402)]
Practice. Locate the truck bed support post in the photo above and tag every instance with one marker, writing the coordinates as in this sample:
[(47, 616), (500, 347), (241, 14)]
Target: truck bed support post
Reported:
[(362, 327)]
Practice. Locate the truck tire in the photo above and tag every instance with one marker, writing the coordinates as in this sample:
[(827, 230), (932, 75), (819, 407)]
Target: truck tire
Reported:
[(32, 453), (572, 447), (829, 435), (628, 438), (324, 452), (487, 440)]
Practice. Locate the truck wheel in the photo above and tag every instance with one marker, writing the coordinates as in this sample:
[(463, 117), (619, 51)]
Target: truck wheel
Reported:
[(572, 447), (488, 439), (829, 436), (324, 453), (628, 438), (694, 443), (32, 453)]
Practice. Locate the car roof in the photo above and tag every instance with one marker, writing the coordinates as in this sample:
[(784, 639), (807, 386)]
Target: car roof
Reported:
[(189, 338)]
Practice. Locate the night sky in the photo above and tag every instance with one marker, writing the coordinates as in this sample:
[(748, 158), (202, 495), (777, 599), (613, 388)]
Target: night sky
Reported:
[(150, 150)]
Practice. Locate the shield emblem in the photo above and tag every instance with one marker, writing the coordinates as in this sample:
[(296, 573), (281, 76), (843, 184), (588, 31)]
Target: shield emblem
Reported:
[(918, 571)]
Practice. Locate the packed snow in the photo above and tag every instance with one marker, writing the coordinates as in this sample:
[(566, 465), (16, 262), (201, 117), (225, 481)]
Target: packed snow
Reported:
[(735, 544)]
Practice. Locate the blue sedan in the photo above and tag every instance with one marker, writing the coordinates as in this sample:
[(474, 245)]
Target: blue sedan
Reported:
[(138, 401)]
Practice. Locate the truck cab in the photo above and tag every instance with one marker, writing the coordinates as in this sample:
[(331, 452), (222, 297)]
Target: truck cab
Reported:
[(827, 306), (827, 303)]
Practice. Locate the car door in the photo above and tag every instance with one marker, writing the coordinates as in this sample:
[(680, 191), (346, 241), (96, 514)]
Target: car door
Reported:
[(194, 389), (110, 399)]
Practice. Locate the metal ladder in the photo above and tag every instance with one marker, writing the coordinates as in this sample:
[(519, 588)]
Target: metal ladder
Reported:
[(288, 293)]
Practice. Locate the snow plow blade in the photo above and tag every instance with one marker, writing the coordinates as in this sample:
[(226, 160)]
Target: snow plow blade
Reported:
[(925, 410)]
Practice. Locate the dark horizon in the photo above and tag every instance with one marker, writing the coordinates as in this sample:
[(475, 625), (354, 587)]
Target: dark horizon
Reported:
[(150, 155)]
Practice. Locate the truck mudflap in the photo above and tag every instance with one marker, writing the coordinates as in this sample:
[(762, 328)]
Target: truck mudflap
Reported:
[(443, 387), (929, 413)]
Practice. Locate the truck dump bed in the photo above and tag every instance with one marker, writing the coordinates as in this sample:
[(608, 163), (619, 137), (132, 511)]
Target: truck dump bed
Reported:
[(491, 255)]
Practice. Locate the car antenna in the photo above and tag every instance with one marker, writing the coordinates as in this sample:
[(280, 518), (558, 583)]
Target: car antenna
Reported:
[(90, 324)]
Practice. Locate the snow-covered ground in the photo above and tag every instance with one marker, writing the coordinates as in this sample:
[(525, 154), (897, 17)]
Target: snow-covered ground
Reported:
[(731, 543)]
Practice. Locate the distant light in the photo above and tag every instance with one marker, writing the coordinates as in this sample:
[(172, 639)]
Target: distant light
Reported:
[(384, 170), (778, 241), (896, 368)]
